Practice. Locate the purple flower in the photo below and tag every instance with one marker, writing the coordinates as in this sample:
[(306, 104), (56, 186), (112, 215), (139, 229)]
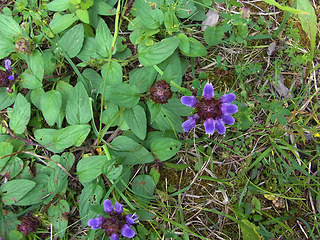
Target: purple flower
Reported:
[(28, 224), (160, 92), (116, 222), (214, 112), (6, 77)]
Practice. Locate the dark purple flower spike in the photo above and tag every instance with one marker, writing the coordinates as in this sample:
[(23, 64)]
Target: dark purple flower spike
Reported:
[(28, 224), (160, 92), (116, 222), (214, 112)]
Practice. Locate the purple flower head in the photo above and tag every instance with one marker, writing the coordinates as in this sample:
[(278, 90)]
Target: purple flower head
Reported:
[(214, 112), (116, 223), (28, 224), (6, 77), (160, 92)]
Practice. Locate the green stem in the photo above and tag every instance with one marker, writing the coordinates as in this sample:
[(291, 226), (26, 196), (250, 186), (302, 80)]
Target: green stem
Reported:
[(116, 33)]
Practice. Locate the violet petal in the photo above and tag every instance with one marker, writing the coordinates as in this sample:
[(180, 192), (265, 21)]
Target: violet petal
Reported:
[(128, 232), (227, 98), (95, 223), (118, 208), (7, 64), (107, 206), (228, 108), (221, 129), (11, 77), (114, 236), (189, 101), (209, 126), (131, 219), (208, 92), (228, 119), (190, 123)]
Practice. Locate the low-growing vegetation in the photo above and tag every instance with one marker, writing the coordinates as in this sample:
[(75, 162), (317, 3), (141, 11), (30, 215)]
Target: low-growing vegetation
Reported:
[(159, 119)]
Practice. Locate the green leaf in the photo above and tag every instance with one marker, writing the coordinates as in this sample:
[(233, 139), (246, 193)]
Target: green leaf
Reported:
[(8, 222), (45, 138), (196, 49), (105, 9), (284, 8), (5, 149), (65, 89), (249, 230), (15, 235), (57, 217), (29, 80), (58, 180), (171, 22), (75, 2), (136, 120), (9, 27), (89, 50), (214, 35), (59, 5), (14, 166), (93, 80), (308, 21), (171, 68), (157, 53), (143, 187), (152, 17), (165, 148), (72, 41), (6, 99), (111, 74), (133, 152), (6, 47), (35, 97), (83, 15), (154, 109), (143, 78), (176, 106), (123, 94), (186, 9), (109, 113), (69, 136), (36, 64), (89, 168), (104, 38), (86, 4), (184, 42), (15, 190), (112, 172), (50, 104), (155, 174), (244, 118), (62, 22), (20, 115), (37, 194), (78, 109), (49, 62), (91, 194), (167, 119)]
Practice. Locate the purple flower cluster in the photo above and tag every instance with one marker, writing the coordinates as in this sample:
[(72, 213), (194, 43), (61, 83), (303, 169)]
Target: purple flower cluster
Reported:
[(28, 224), (116, 222), (214, 112), (6, 77)]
